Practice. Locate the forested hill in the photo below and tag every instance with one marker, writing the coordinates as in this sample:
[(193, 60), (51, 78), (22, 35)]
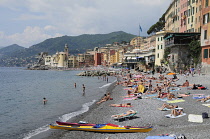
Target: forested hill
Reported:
[(77, 44)]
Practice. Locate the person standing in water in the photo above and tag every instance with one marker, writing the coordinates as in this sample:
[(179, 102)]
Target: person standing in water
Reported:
[(44, 101), (83, 88), (75, 85)]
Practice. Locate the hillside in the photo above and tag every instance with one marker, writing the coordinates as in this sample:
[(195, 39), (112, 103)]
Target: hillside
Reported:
[(11, 49), (77, 44)]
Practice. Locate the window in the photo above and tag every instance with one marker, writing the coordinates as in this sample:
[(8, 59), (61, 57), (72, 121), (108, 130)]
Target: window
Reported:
[(205, 53), (206, 18), (207, 3), (205, 34), (158, 55)]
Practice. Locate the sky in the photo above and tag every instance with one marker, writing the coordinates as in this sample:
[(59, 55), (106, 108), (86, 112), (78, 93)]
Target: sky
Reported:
[(29, 22)]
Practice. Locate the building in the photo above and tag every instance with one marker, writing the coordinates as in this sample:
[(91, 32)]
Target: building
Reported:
[(160, 47), (205, 35), (179, 49)]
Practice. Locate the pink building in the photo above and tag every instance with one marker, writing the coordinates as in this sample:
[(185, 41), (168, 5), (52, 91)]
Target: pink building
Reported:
[(183, 14)]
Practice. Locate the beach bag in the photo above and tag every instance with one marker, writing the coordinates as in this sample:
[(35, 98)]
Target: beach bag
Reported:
[(181, 136), (205, 115)]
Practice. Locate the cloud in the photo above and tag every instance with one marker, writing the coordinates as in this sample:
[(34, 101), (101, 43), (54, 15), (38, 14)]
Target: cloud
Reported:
[(72, 17), (30, 36)]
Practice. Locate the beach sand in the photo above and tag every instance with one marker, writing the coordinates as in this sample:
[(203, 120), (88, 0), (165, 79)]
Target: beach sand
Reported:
[(148, 114)]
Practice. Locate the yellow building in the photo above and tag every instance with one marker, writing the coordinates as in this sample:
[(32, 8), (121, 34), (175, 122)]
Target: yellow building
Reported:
[(137, 41)]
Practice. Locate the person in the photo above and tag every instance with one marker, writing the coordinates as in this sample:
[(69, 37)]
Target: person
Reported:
[(75, 85), (186, 84), (140, 88), (44, 101), (204, 99), (177, 112), (168, 106), (121, 105), (105, 98), (170, 96), (192, 71), (83, 88), (124, 114)]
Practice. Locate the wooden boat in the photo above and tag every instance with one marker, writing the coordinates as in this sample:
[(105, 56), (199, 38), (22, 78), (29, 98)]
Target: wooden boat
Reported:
[(103, 128)]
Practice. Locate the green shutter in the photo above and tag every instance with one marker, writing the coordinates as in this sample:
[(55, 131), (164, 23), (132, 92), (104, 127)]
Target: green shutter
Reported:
[(205, 53)]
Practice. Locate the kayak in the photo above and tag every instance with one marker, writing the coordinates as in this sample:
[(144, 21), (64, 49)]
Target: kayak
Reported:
[(71, 124), (105, 128)]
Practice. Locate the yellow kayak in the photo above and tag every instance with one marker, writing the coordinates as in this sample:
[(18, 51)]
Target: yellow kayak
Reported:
[(103, 128)]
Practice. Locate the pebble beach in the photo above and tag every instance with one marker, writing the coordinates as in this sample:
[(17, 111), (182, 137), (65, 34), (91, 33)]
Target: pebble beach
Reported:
[(147, 114)]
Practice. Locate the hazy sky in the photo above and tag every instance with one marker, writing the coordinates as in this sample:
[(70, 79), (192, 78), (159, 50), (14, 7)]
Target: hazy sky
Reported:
[(28, 22)]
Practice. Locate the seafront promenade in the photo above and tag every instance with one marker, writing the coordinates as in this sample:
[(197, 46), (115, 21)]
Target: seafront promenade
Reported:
[(148, 114)]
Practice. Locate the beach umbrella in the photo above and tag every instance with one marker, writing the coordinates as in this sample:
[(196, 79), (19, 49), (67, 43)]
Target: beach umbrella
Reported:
[(171, 73)]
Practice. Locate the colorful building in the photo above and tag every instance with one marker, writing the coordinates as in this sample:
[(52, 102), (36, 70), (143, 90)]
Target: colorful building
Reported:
[(205, 35)]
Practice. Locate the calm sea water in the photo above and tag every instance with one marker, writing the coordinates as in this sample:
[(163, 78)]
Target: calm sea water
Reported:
[(23, 114)]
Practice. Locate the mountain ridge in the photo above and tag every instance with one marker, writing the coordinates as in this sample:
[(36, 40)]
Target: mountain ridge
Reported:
[(77, 44)]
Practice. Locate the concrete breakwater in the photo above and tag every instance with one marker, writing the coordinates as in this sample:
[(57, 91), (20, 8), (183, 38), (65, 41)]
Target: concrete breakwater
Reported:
[(96, 73)]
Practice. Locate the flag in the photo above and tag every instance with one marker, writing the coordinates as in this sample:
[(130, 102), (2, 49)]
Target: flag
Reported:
[(140, 28)]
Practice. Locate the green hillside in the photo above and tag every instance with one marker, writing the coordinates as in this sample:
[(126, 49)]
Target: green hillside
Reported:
[(77, 44)]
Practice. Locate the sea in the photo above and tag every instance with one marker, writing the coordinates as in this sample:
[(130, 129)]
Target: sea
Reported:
[(23, 114)]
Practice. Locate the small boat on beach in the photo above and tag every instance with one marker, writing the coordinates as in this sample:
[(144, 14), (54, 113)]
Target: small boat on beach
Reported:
[(74, 124), (105, 128)]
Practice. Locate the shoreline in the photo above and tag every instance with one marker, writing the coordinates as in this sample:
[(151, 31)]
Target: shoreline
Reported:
[(56, 134), (148, 114)]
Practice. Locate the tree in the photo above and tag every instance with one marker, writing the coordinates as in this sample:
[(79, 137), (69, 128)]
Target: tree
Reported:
[(195, 51), (157, 26)]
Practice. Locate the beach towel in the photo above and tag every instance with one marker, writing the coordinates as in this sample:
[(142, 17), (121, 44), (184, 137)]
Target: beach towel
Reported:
[(159, 137), (130, 98), (124, 117), (198, 96), (195, 118), (151, 95), (176, 101), (128, 89), (162, 99), (172, 116), (164, 109), (122, 106), (208, 105)]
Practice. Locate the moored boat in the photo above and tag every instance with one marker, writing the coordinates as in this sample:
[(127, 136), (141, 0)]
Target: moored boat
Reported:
[(106, 128)]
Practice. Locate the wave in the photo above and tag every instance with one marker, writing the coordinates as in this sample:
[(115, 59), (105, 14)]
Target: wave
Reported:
[(63, 118), (107, 84)]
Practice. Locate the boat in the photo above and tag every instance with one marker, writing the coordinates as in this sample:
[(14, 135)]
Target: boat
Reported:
[(85, 124), (72, 124), (105, 128)]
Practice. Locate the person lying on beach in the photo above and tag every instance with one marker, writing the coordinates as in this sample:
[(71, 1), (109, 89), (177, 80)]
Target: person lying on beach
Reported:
[(168, 106), (170, 96), (176, 112), (121, 105), (204, 99), (105, 98), (197, 87), (124, 114)]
